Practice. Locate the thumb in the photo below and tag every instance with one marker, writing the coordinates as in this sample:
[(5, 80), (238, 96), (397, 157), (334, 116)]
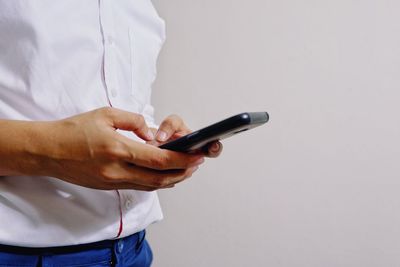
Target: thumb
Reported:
[(129, 121)]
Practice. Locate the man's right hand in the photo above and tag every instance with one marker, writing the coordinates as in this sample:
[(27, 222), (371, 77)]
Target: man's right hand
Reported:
[(87, 150)]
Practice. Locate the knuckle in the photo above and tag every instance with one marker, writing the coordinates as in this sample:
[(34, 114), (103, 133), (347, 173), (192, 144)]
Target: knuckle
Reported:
[(106, 111), (101, 114), (188, 174), (115, 149), (175, 117), (131, 156), (107, 175), (140, 120), (172, 120), (167, 124)]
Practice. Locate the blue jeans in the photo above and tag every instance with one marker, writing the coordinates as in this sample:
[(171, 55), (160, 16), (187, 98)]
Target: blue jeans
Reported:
[(131, 251)]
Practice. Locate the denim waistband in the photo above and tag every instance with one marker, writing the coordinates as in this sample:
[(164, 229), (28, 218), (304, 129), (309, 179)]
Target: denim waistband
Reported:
[(135, 238)]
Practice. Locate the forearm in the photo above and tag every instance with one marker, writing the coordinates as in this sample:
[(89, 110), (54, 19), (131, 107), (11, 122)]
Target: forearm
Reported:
[(19, 145), (86, 150)]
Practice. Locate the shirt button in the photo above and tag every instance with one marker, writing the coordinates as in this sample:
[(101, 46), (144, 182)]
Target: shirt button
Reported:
[(114, 92), (110, 40), (120, 246), (128, 204)]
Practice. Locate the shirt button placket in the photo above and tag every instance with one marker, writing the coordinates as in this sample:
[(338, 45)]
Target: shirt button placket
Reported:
[(111, 79), (109, 47)]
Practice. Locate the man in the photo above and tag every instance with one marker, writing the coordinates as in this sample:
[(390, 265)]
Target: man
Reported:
[(78, 179)]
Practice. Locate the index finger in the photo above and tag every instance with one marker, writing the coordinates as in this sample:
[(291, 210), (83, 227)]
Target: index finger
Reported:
[(124, 120), (159, 159)]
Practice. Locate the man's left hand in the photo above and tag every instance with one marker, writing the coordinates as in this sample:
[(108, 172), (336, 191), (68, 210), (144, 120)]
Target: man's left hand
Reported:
[(173, 127)]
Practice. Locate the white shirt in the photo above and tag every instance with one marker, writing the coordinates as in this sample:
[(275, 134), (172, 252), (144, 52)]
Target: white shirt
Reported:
[(58, 59)]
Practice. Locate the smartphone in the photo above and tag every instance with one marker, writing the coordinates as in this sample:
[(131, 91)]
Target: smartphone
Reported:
[(233, 125)]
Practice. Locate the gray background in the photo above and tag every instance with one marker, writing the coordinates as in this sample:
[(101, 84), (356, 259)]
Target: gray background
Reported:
[(319, 185)]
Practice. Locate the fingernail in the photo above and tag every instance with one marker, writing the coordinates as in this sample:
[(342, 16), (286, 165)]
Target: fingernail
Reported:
[(150, 134), (161, 136)]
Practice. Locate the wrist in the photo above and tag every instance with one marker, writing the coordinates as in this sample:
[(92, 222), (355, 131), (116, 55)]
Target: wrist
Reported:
[(39, 148)]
